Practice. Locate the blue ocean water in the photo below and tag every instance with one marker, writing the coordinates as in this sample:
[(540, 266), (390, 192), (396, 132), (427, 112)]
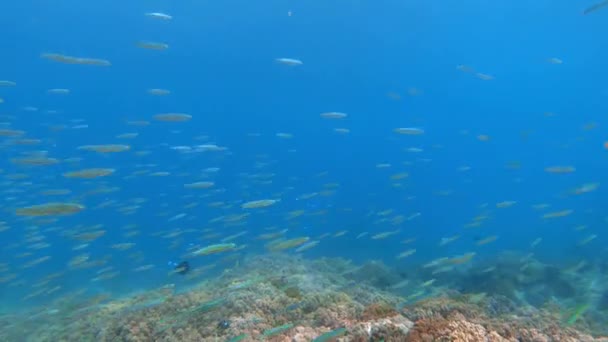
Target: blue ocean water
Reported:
[(387, 65)]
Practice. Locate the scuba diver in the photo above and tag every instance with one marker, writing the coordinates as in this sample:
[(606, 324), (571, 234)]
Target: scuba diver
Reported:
[(182, 268)]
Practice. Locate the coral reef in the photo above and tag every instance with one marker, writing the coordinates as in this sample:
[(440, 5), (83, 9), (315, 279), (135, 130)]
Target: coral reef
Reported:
[(287, 299)]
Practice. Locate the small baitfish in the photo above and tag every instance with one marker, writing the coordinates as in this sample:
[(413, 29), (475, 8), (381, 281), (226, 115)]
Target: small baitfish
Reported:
[(277, 330), (238, 338), (329, 336), (214, 249), (596, 7)]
